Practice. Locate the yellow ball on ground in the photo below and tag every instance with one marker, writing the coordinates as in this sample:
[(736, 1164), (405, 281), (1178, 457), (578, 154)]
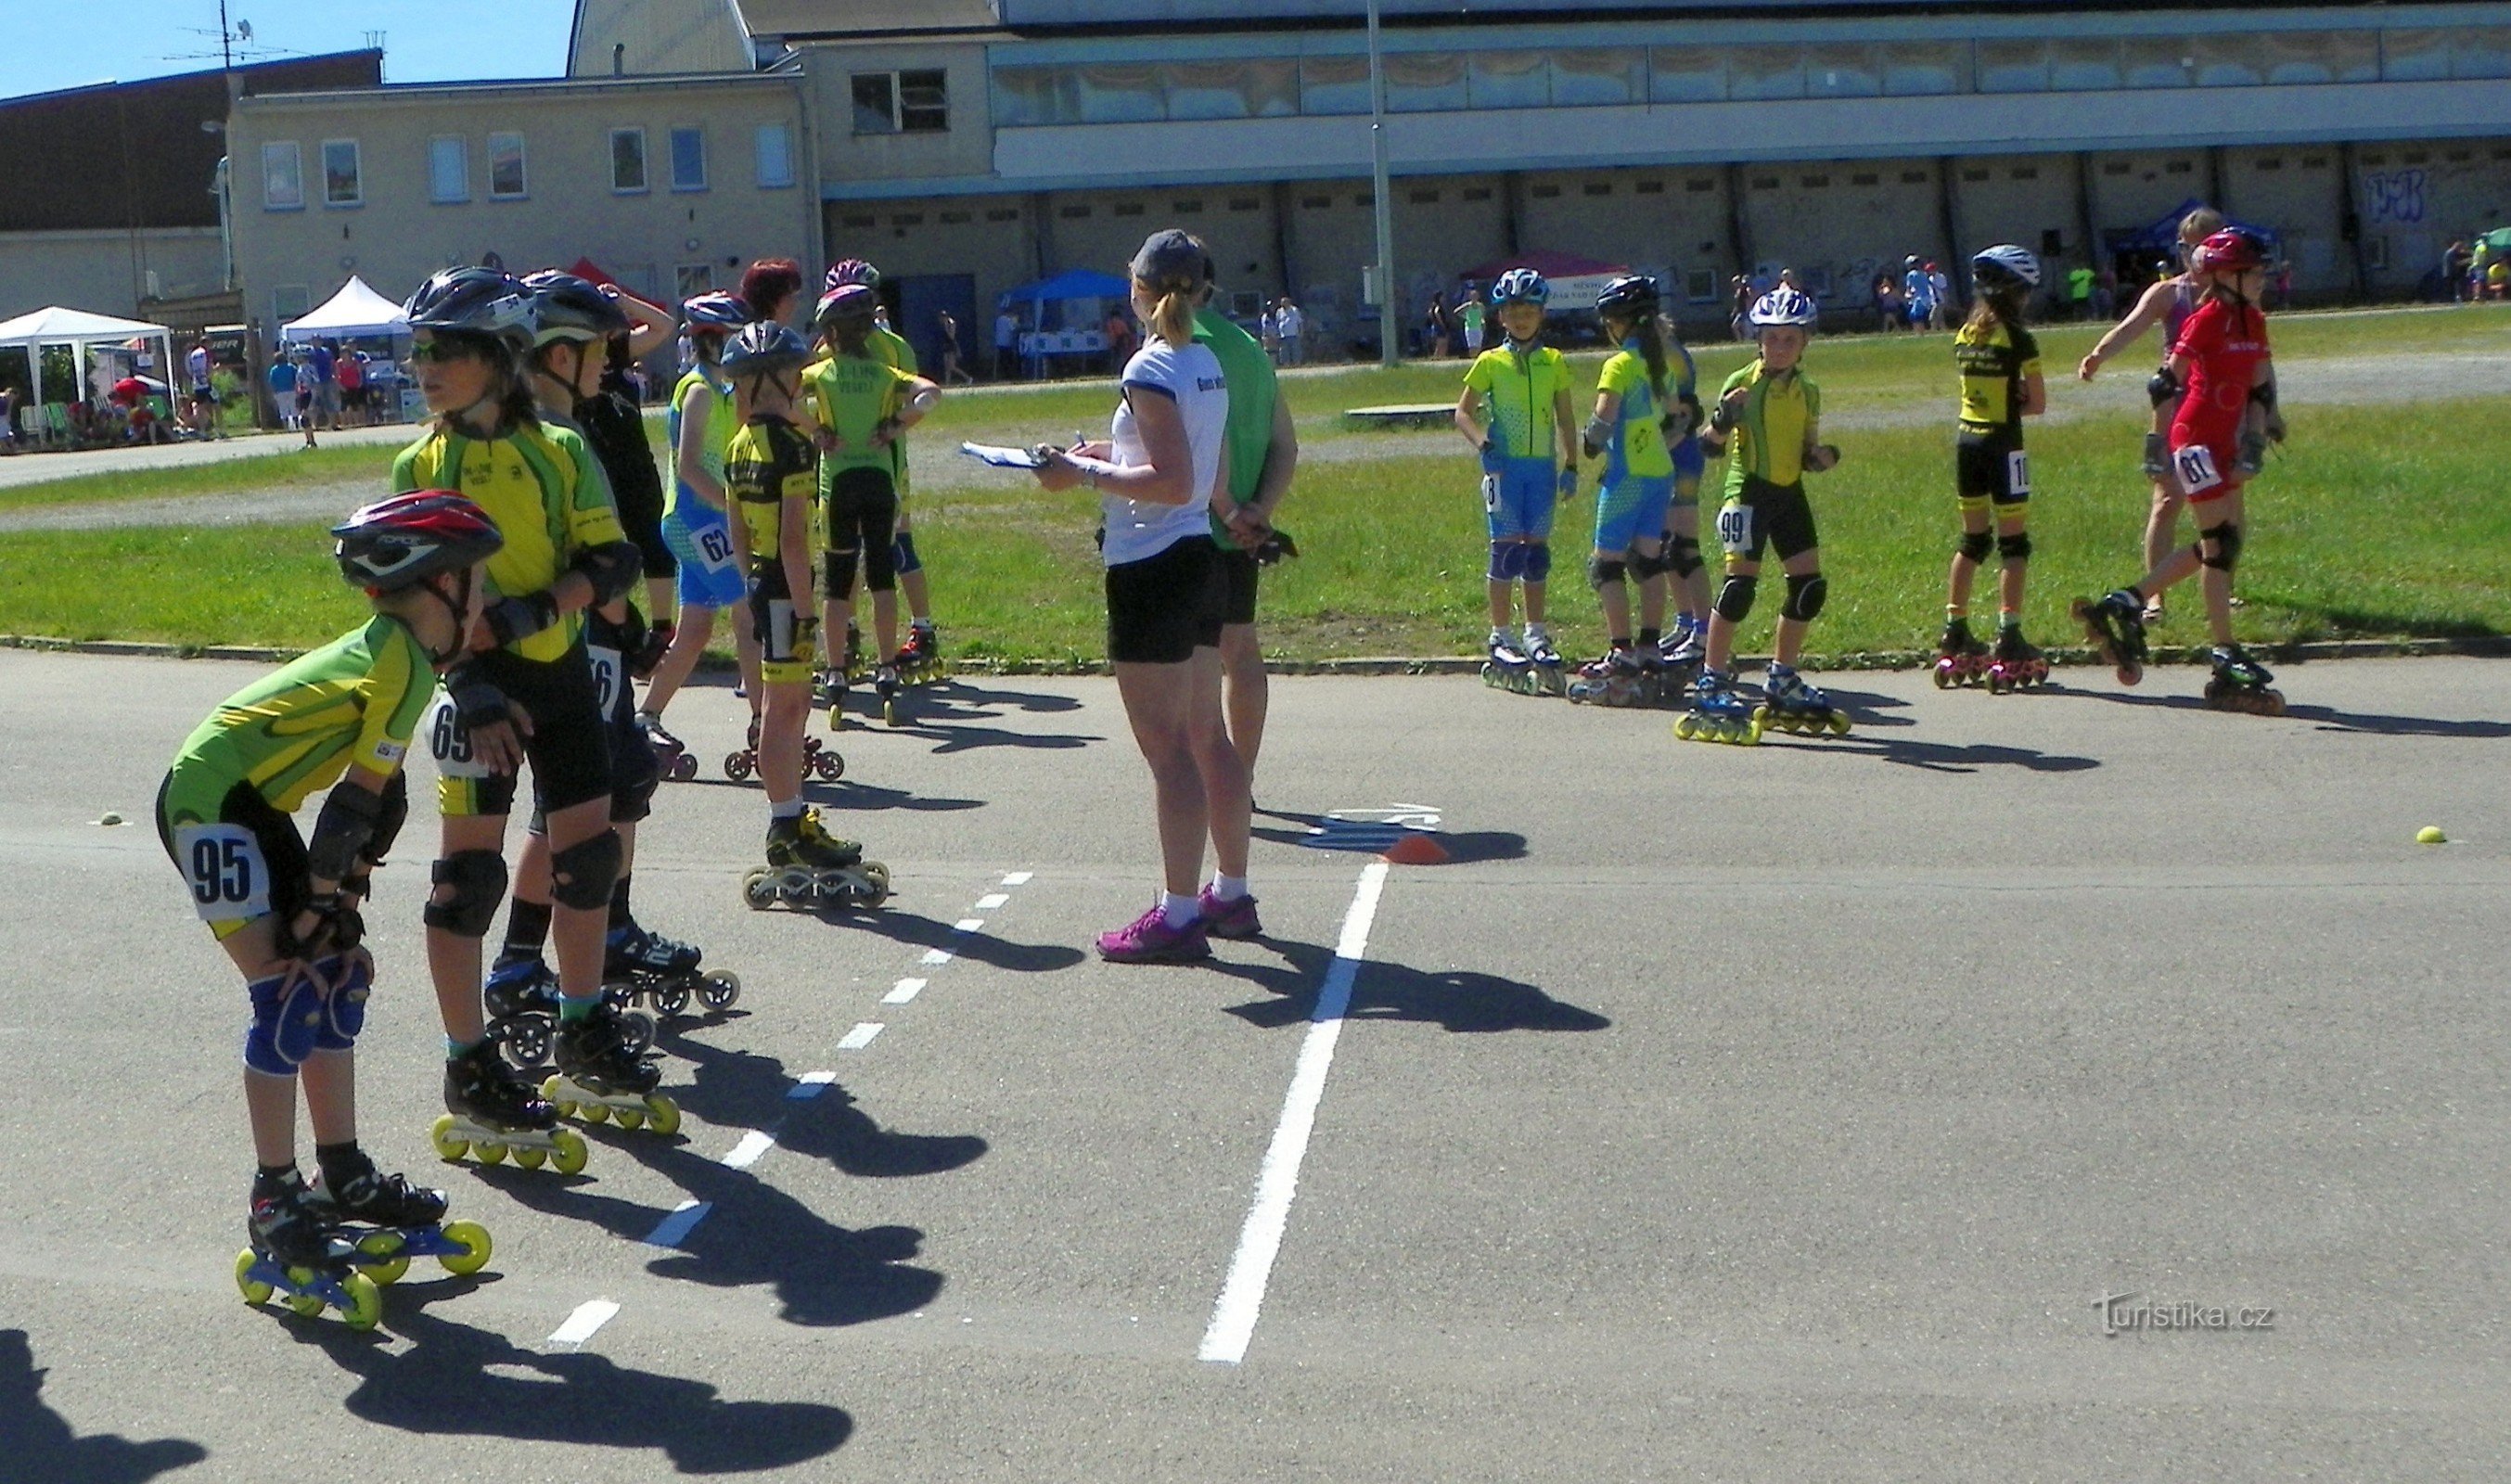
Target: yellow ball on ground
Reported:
[(2430, 834)]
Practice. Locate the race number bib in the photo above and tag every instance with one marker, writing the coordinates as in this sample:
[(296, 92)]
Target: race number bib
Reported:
[(609, 674), (2195, 465), (1490, 494), (1735, 529), (449, 742), (228, 875), (715, 544), (2018, 473)]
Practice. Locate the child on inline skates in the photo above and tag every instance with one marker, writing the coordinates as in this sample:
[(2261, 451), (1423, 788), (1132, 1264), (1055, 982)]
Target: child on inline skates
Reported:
[(1767, 424), (286, 912), (771, 470), (2226, 418), (1998, 366), (1515, 408), (1634, 494), (1686, 641)]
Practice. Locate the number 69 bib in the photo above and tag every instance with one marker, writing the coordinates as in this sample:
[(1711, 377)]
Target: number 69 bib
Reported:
[(449, 742)]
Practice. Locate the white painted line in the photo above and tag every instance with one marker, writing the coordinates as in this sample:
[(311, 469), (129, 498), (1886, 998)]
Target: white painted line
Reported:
[(1259, 1241), (580, 1326), (991, 900), (935, 958), (906, 990), (672, 1230), (1018, 878), (745, 1154), (812, 1084), (967, 925), (860, 1037)]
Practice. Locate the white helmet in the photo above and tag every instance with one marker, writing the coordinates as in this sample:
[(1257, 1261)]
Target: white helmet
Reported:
[(1782, 306), (2005, 266)]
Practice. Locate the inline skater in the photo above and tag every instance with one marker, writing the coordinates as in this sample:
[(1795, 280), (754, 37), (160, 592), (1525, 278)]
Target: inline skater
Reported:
[(565, 552), (286, 912), (1635, 403), (1514, 410), (1997, 363), (923, 652), (1263, 455), (2228, 416), (1767, 424)]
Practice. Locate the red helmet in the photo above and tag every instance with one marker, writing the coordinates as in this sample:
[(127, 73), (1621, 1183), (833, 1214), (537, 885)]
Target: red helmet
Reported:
[(407, 538), (2234, 250)]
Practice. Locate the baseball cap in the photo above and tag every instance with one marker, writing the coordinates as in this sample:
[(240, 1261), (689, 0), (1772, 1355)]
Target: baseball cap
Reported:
[(1170, 259)]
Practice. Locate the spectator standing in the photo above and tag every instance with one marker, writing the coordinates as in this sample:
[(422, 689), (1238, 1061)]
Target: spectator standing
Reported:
[(1292, 327), (1435, 326), (1006, 344), (282, 391), (2106, 294), (8, 419), (2455, 262), (303, 357), (1887, 303), (1120, 340), (1739, 302), (1268, 332), (1470, 315), (954, 373), (1917, 292), (2080, 291), (200, 406), (352, 369), (326, 385), (1942, 287)]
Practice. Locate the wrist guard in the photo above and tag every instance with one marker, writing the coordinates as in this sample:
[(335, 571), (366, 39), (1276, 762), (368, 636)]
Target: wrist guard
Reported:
[(513, 618)]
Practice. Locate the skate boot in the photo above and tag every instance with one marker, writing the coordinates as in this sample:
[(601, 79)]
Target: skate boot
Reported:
[(2016, 665), (671, 756), (920, 661), (1718, 714), (1507, 667), (885, 684), (293, 1252), (1684, 649), (1792, 707), (1960, 658), (807, 866), (1611, 680), (1658, 685), (664, 972), (2114, 624), (491, 1113), (390, 1221), (2240, 684), (522, 998), (1551, 671), (603, 1073)]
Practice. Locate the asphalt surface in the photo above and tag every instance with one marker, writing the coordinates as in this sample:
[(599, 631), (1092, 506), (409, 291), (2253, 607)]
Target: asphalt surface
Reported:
[(1715, 1113)]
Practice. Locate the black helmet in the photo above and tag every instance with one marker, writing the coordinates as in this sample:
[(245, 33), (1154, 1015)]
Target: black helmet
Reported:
[(1630, 296), (565, 307), (763, 349), (407, 538), (475, 301)]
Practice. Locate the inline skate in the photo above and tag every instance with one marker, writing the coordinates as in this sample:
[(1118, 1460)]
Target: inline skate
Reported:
[(1551, 671), (2115, 624), (1718, 714), (2240, 684), (522, 998), (1960, 658), (292, 1251), (920, 661), (389, 1221), (2015, 663), (1683, 650), (1790, 705), (605, 1074), (807, 866), (825, 762), (671, 756), (1508, 667), (491, 1113), (886, 685), (1614, 680), (662, 972)]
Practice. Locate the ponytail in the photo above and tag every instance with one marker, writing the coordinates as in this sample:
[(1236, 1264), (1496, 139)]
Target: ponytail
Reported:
[(1173, 316), (1995, 307)]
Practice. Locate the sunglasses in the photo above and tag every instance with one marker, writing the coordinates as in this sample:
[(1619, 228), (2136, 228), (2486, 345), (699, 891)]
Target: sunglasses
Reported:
[(443, 351)]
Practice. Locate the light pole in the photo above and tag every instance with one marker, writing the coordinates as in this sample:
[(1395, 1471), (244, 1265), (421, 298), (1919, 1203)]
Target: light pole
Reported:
[(1387, 342)]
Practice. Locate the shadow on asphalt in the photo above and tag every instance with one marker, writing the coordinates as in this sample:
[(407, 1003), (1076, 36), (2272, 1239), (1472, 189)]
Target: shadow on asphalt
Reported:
[(944, 714), (1319, 832), (743, 1089), (1460, 1001), (40, 1444), (457, 1379), (2329, 718), (917, 930), (846, 795)]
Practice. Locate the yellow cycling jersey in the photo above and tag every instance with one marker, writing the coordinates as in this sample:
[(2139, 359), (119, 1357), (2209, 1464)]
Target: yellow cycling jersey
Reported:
[(356, 700), (770, 461), (1520, 393), (548, 496), (695, 391), (1992, 365), (1767, 440), (851, 396)]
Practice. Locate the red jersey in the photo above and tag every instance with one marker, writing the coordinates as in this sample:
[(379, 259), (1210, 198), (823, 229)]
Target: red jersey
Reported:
[(2225, 344)]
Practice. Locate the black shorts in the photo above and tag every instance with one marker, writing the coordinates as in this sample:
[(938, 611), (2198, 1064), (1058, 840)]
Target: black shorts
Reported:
[(635, 774), (1766, 515), (568, 750), (1990, 468), (1162, 608), (286, 874), (1238, 580), (861, 526)]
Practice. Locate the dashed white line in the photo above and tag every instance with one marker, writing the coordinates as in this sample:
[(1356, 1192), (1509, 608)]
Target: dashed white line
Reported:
[(905, 991), (1018, 878), (968, 925), (745, 1154), (580, 1326), (993, 900), (811, 1084), (1259, 1242), (860, 1037), (935, 958), (674, 1229)]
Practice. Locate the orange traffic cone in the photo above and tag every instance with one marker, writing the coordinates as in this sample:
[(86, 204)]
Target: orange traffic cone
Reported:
[(1416, 848)]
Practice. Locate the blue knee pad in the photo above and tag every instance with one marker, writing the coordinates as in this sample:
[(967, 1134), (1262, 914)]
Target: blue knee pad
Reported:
[(287, 1023), (1538, 563), (352, 977), (1509, 560), (901, 555)]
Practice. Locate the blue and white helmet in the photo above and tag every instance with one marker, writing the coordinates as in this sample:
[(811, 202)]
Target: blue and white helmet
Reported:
[(1521, 286), (1784, 306), (2005, 266)]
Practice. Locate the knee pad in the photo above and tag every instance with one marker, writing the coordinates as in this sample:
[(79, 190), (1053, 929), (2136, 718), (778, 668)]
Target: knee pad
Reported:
[(1538, 562), (1974, 546), (1805, 593), (581, 875), (352, 977), (1507, 560), (1735, 596), (1648, 568), (2015, 549), (901, 554), (478, 879), (880, 568), (840, 568), (287, 1022), (1685, 555), (2228, 547), (1605, 572)]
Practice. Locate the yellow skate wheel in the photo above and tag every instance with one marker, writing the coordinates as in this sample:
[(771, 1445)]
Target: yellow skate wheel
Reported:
[(254, 1290), (390, 1264), (837, 718), (305, 1303), (476, 1246), (1839, 725), (365, 1303), (758, 890), (529, 1157), (627, 1117), (569, 1158), (450, 1146), (593, 1112), (489, 1154), (879, 875), (661, 1115), (1683, 727)]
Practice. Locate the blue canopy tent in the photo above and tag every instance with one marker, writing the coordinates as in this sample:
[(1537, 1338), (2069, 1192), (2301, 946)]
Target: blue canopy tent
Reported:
[(2159, 239), (1073, 284), (1082, 295)]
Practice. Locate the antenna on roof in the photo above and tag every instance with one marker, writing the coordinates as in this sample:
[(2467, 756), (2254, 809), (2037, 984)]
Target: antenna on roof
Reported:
[(243, 30)]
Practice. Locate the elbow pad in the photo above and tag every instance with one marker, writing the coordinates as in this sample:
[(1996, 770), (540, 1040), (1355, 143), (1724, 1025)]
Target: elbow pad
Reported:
[(2264, 393), (342, 832), (612, 567), (510, 618), (2162, 387)]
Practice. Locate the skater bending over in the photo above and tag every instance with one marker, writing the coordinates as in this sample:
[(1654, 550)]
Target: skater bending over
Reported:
[(286, 911), (1997, 363), (2228, 416), (1634, 494), (1516, 411), (1161, 477)]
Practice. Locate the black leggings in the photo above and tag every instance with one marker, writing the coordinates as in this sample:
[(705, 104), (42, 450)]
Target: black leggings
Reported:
[(862, 523)]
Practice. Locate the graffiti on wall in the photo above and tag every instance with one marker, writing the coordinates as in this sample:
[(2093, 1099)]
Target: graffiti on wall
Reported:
[(2394, 196)]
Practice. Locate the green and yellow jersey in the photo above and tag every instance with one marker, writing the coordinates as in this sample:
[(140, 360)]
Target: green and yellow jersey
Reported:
[(356, 700), (695, 390), (1639, 442), (548, 496), (1993, 366), (1520, 391), (851, 396), (1767, 440)]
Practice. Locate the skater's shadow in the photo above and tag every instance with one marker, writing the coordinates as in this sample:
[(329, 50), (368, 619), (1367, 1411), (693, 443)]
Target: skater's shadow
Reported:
[(1867, 708), (948, 716), (850, 797), (1940, 758), (1322, 832), (1459, 1001), (39, 1443), (453, 1378), (744, 1089), (915, 930), (2327, 718)]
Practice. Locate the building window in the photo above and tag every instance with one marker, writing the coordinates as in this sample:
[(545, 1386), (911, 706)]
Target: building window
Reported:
[(1700, 286), (957, 218), (506, 177), (1002, 213), (282, 178), (901, 103), (1191, 206), (290, 301), (688, 160), (1544, 192), (340, 184), (1127, 209), (689, 280), (858, 223), (775, 155), (448, 168), (627, 160), (1649, 188)]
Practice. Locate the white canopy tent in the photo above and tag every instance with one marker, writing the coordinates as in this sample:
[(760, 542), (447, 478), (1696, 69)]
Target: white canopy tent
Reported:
[(78, 330), (354, 311)]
